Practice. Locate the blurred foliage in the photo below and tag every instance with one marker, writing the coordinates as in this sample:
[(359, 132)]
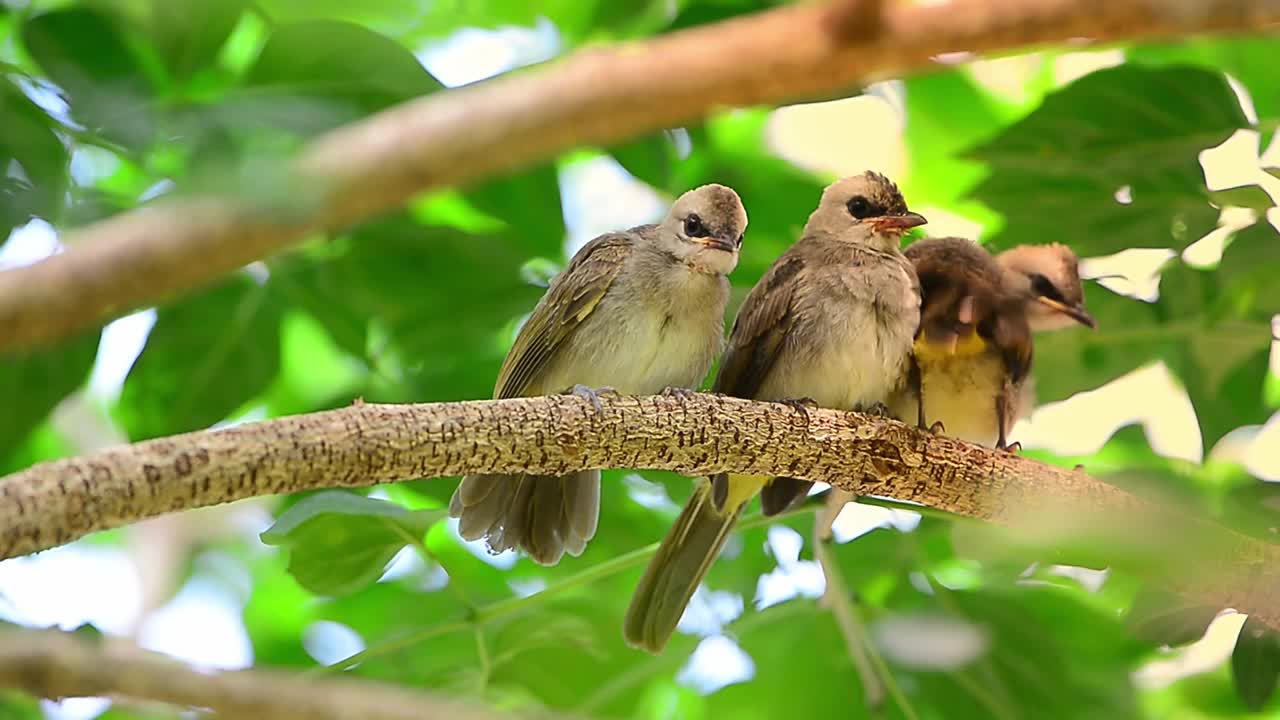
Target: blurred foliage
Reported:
[(106, 103)]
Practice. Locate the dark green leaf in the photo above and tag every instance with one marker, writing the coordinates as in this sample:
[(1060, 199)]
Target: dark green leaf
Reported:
[(207, 356), (1055, 173), (29, 139), (1251, 60), (33, 382), (91, 56), (340, 542), (1162, 618), (189, 34), (1255, 663)]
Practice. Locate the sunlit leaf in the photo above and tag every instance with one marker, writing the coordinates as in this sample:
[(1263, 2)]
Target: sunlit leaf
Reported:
[(340, 542), (1054, 175), (190, 34)]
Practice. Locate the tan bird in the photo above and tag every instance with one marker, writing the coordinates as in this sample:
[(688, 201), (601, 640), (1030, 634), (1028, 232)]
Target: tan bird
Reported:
[(832, 321), (974, 348), (636, 312)]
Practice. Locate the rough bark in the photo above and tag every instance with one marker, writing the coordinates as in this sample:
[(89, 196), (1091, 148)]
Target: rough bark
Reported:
[(595, 97), (56, 665), (60, 501)]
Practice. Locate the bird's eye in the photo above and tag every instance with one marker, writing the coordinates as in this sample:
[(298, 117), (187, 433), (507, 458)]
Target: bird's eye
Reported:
[(1042, 287), (860, 207), (693, 226)]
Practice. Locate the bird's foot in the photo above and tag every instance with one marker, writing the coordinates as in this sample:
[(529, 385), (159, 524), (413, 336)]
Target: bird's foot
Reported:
[(878, 409), (937, 428), (1078, 468), (801, 405), (1012, 448), (679, 392), (590, 395)]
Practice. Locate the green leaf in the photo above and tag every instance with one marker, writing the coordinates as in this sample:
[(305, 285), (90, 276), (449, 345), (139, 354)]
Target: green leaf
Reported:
[(1255, 663), (33, 382), (1212, 329), (384, 15), (189, 34), (1245, 196), (340, 542), (649, 159), (91, 56), (1162, 618), (529, 202), (39, 190), (936, 135), (207, 356), (1055, 174), (312, 76), (428, 307), (1251, 60)]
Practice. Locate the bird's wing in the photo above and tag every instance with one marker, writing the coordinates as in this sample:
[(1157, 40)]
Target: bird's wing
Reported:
[(572, 297), (761, 328), (959, 284)]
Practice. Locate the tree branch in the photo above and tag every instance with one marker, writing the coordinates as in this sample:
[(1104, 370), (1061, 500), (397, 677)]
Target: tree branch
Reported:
[(60, 501), (594, 97), (55, 665)]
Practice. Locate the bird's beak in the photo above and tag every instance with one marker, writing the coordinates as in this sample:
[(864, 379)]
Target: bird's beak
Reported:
[(719, 243), (898, 223), (1075, 312)]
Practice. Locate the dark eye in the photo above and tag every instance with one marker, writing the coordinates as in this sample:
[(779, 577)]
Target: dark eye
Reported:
[(860, 207), (693, 226), (1042, 287)]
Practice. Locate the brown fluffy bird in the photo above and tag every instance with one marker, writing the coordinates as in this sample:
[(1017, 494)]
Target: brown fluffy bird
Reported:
[(832, 322), (636, 312), (974, 349)]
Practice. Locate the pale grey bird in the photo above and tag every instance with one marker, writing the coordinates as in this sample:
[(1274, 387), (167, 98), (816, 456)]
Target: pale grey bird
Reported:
[(637, 312), (832, 322), (974, 348)]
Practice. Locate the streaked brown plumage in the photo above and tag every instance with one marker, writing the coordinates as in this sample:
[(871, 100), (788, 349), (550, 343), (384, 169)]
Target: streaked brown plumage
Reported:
[(974, 348), (638, 311), (832, 321)]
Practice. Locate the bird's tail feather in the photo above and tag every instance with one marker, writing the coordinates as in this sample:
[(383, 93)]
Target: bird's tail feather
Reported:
[(682, 561), (545, 516)]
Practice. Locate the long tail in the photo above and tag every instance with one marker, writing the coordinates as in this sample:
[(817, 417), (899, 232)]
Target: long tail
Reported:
[(543, 515), (674, 573)]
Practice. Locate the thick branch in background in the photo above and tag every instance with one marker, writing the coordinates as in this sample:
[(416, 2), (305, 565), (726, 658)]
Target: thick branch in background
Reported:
[(60, 501), (594, 97), (56, 665)]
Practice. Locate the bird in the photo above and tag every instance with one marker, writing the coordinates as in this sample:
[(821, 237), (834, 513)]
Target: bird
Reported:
[(636, 312), (831, 323), (973, 352)]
